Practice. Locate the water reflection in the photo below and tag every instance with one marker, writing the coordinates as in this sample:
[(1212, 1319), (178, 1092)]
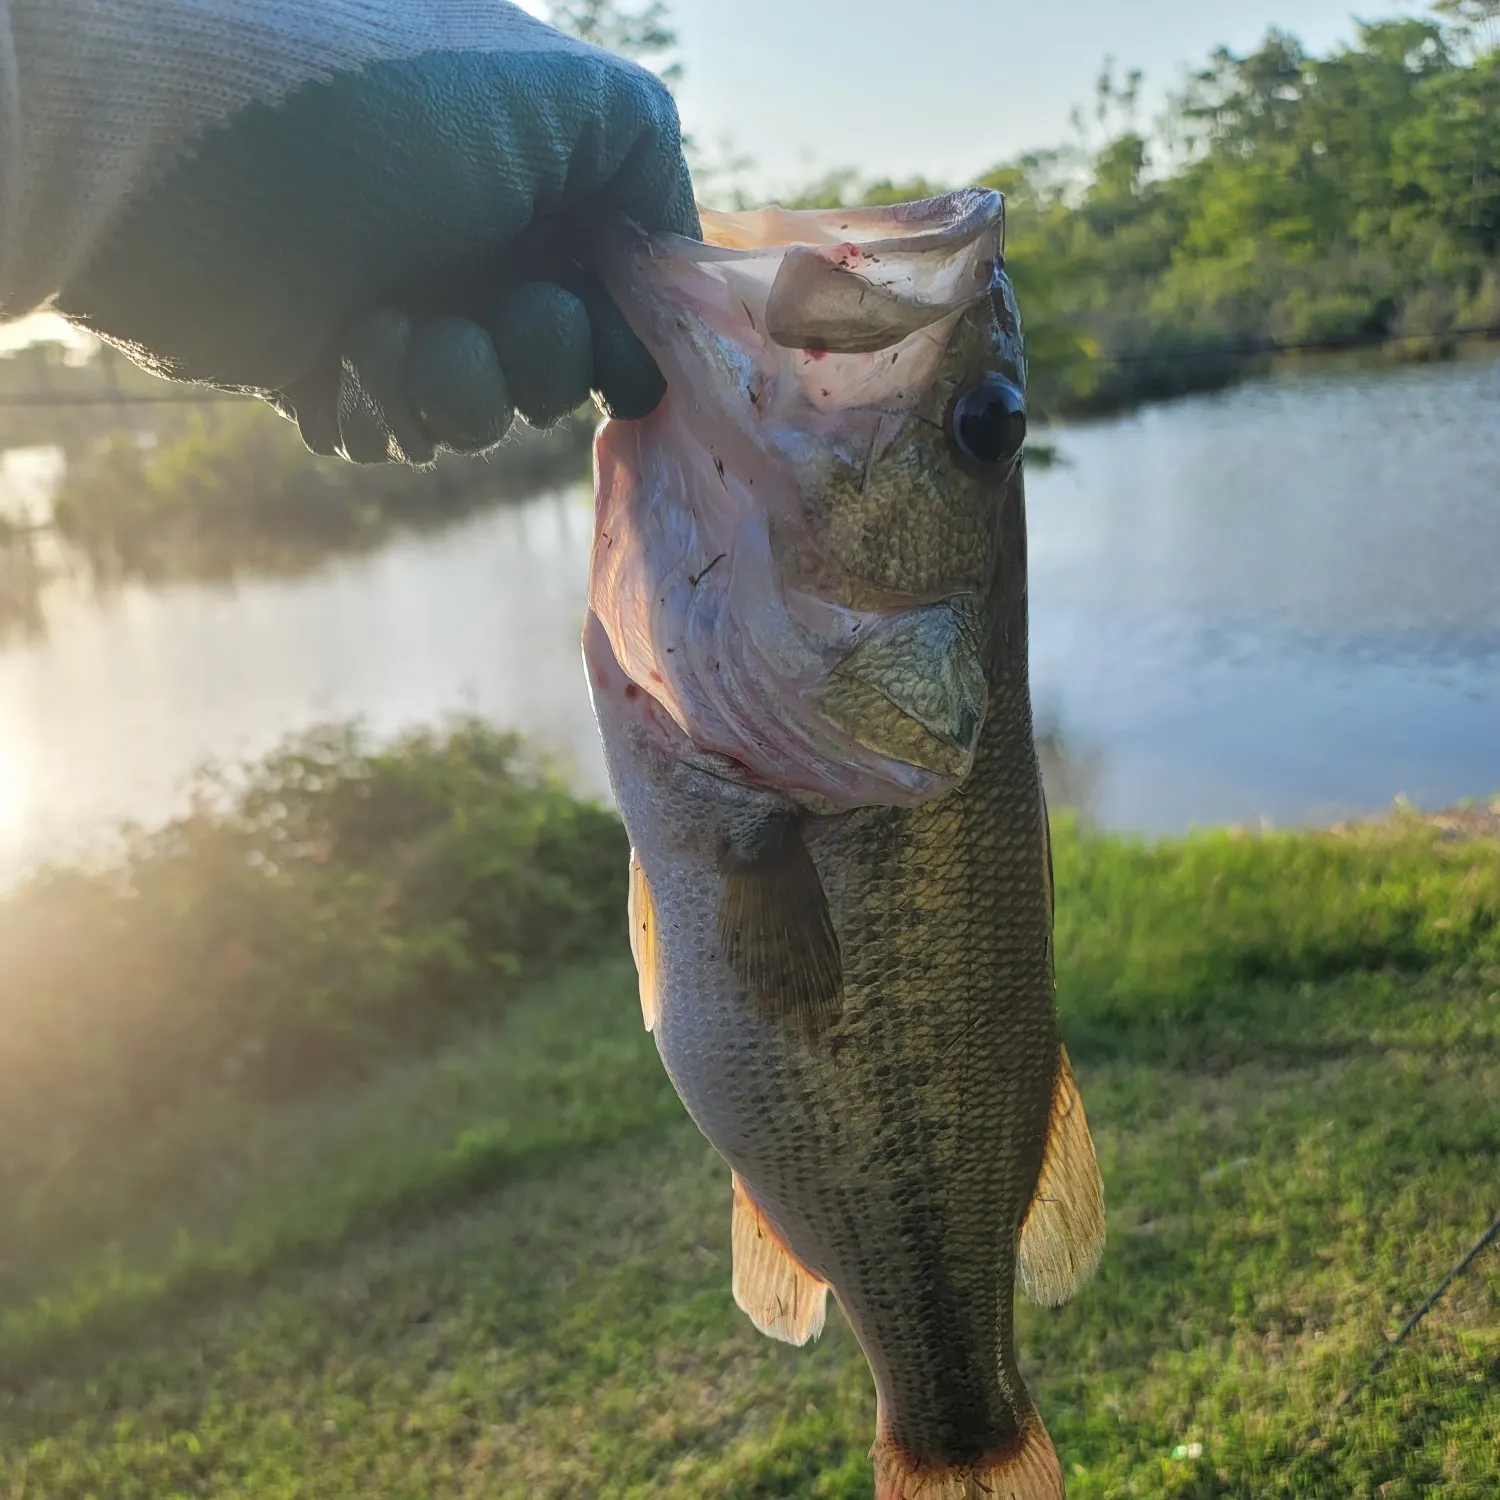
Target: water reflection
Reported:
[(22, 579), (1280, 602), (106, 715), (27, 477)]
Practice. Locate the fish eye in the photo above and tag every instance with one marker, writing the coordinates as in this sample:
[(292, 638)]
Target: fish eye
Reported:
[(988, 423)]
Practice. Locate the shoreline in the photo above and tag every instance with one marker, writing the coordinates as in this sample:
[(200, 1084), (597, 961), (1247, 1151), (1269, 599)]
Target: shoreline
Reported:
[(110, 853), (1377, 359), (1460, 823)]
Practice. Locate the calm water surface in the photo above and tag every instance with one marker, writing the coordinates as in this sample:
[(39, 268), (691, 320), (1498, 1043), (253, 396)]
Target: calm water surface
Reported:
[(1282, 602)]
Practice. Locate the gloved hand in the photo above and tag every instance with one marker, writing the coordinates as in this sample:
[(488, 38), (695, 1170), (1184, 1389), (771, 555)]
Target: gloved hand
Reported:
[(396, 255)]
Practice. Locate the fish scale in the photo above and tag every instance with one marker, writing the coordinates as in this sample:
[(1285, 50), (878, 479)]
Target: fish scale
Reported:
[(854, 999), (948, 998)]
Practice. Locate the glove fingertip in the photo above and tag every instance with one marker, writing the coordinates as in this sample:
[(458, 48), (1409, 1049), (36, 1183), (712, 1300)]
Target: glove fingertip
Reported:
[(455, 383), (312, 403), (374, 358), (630, 386), (627, 381), (544, 339)]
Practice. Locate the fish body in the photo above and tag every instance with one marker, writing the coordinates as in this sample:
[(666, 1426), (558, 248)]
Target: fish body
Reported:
[(840, 884)]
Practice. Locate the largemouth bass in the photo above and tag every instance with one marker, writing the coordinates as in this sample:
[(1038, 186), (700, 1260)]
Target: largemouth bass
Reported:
[(807, 650)]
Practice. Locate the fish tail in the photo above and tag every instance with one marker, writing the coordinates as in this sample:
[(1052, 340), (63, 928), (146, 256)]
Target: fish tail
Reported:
[(1027, 1470)]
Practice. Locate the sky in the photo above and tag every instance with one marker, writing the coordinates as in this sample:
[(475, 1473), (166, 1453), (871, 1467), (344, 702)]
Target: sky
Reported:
[(945, 88)]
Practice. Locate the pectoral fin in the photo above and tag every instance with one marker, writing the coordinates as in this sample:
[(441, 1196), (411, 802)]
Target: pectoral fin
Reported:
[(642, 918), (778, 1294), (1062, 1238), (775, 930)]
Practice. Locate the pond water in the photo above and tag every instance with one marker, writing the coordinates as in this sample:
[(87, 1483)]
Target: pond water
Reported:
[(1281, 602)]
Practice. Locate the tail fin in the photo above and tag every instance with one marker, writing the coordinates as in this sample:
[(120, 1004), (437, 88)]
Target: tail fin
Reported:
[(1028, 1471)]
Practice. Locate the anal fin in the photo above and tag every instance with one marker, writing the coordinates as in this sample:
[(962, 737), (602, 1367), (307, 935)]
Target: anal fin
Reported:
[(775, 930), (642, 917), (774, 1289), (1062, 1238), (1028, 1471)]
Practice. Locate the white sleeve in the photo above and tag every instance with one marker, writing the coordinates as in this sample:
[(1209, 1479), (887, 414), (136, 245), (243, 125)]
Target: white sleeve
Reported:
[(98, 98)]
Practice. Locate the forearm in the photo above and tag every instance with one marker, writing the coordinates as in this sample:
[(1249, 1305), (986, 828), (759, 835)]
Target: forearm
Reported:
[(99, 98)]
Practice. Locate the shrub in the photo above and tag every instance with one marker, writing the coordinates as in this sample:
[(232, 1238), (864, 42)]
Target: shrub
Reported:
[(335, 905)]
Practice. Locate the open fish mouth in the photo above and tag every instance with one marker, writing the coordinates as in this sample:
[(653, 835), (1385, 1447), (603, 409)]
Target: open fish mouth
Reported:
[(743, 531), (856, 298)]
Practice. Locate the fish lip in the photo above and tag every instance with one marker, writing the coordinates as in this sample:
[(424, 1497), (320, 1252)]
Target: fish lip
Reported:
[(969, 222), (956, 218), (831, 297)]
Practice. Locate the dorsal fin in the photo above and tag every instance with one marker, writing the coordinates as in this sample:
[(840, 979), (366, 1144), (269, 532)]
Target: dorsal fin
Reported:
[(1062, 1238), (772, 1287), (642, 917)]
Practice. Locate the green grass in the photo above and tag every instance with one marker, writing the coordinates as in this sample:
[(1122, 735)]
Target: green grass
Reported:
[(500, 1268)]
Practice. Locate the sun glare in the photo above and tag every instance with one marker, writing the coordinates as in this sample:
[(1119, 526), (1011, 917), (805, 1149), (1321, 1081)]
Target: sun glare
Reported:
[(41, 328), (14, 795)]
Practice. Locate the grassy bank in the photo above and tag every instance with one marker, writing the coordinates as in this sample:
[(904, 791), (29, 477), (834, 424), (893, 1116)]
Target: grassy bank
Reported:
[(489, 1257)]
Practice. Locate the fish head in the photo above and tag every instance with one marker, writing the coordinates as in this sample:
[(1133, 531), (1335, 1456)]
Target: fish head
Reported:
[(797, 550)]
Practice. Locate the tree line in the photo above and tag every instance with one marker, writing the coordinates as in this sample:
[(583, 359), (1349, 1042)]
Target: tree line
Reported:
[(1283, 197)]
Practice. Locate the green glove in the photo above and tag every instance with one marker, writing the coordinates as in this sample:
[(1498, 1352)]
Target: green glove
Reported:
[(396, 256)]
